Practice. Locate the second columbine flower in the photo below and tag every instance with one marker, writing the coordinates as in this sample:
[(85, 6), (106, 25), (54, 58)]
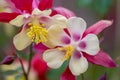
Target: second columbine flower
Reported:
[(70, 44)]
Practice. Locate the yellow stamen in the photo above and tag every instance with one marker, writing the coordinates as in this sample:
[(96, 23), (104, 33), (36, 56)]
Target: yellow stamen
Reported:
[(68, 51), (37, 33)]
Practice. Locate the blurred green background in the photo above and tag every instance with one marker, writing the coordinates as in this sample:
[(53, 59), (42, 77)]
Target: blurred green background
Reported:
[(92, 11)]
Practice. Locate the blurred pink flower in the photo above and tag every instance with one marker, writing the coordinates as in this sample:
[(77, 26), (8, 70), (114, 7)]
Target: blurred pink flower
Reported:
[(39, 66), (103, 77), (7, 60), (67, 75), (40, 48)]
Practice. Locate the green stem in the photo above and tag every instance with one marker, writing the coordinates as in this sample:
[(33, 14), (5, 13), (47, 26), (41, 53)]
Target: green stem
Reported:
[(26, 74), (82, 75), (30, 60), (21, 63)]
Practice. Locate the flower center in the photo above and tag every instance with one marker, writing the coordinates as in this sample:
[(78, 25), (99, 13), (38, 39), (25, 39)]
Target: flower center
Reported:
[(37, 33), (68, 51)]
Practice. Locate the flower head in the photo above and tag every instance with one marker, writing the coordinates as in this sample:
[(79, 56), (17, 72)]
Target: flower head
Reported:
[(71, 46), (35, 20)]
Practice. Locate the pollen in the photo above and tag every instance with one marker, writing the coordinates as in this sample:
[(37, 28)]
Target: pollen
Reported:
[(68, 51), (37, 33)]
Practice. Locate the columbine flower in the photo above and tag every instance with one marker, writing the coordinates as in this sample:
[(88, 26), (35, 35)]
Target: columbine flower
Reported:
[(35, 28), (71, 46), (34, 17), (78, 44)]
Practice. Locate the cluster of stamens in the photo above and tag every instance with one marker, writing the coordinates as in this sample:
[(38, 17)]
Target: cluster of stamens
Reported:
[(37, 33), (68, 51)]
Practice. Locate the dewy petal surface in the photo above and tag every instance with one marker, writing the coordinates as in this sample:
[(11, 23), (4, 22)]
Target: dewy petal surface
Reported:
[(21, 40), (78, 65), (91, 44), (76, 26), (54, 58)]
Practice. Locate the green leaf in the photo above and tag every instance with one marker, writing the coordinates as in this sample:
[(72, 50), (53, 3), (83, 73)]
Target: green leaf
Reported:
[(84, 2), (12, 72), (54, 74), (23, 55), (102, 6), (19, 69), (9, 72)]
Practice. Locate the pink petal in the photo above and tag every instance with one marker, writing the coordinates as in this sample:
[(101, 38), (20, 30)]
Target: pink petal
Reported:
[(67, 75), (23, 4), (45, 4), (40, 48), (39, 65), (35, 3), (63, 11), (89, 44), (6, 17), (102, 59), (42, 77), (103, 77), (77, 27), (98, 27)]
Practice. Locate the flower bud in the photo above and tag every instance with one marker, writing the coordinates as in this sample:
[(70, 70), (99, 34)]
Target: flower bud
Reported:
[(8, 60)]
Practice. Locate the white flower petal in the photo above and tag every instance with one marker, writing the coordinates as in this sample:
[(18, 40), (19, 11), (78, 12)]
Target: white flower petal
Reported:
[(77, 26), (57, 37), (59, 19), (91, 44), (47, 12), (47, 20), (36, 11), (21, 40), (54, 58), (78, 65), (18, 21)]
